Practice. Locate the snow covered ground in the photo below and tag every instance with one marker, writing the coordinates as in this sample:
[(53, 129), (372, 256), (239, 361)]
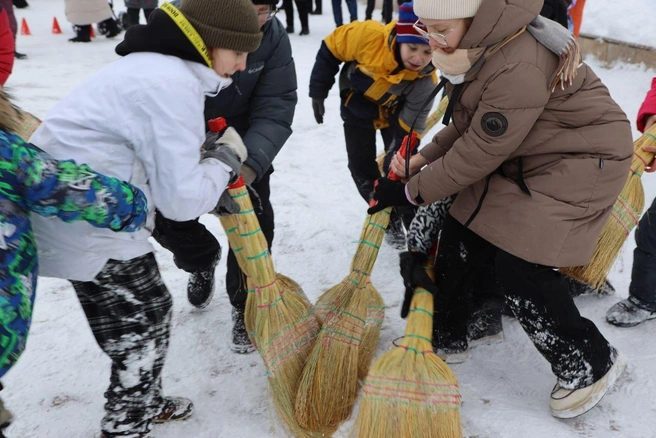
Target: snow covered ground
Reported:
[(56, 389), (625, 21)]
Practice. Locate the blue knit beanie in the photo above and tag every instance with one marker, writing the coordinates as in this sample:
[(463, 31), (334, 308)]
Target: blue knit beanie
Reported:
[(405, 33)]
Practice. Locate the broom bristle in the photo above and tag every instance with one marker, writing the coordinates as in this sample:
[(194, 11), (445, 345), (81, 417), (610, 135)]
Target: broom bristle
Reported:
[(371, 332), (410, 392), (329, 383)]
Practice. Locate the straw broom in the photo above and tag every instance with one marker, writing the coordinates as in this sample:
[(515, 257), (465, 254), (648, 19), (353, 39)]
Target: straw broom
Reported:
[(410, 392), (624, 217), (28, 124), (278, 317), (352, 313)]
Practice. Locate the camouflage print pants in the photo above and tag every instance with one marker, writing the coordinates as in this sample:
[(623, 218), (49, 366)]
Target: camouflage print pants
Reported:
[(129, 310)]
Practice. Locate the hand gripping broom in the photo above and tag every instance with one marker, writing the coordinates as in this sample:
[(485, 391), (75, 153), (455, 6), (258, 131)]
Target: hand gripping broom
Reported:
[(410, 392), (623, 218), (278, 317), (351, 313)]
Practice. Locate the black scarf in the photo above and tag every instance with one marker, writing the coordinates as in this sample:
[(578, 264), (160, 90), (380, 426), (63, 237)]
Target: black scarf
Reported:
[(160, 35)]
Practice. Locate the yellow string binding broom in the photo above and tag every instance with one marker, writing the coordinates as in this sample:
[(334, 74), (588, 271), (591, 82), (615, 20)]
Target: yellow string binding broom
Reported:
[(624, 217), (278, 317), (410, 392)]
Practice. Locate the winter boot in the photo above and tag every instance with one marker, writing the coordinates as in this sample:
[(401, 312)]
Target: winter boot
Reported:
[(568, 403), (200, 287), (485, 328), (395, 233), (577, 288), (240, 343), (304, 32), (174, 409), (629, 313), (289, 29), (83, 34), (20, 4), (19, 55), (109, 28)]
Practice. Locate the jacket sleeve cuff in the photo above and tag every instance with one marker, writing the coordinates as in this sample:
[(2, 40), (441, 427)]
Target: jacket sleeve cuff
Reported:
[(407, 195)]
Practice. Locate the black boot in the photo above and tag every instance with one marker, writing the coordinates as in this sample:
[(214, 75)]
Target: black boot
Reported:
[(200, 287), (316, 12), (109, 28), (83, 34), (289, 29), (20, 4), (305, 32), (19, 55), (241, 343)]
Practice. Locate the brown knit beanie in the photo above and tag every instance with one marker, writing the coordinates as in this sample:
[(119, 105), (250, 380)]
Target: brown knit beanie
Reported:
[(224, 24)]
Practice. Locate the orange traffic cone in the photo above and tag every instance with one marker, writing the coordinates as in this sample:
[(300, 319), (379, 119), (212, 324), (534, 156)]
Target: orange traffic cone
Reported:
[(92, 34), (55, 27), (25, 29)]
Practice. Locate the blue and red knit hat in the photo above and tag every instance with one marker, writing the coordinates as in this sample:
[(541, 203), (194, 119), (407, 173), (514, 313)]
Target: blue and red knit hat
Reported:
[(405, 33)]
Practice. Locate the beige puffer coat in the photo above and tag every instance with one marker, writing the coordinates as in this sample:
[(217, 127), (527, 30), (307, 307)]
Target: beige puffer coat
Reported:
[(537, 172)]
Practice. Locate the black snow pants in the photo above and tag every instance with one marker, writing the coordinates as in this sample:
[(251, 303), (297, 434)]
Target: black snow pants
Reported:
[(538, 296)]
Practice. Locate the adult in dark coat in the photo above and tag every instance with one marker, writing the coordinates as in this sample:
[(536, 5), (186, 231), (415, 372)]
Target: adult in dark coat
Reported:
[(260, 105)]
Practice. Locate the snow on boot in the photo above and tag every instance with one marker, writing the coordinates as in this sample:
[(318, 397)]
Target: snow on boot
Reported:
[(240, 342), (628, 313), (200, 287), (395, 233), (570, 403), (577, 288), (174, 409), (485, 328), (83, 34)]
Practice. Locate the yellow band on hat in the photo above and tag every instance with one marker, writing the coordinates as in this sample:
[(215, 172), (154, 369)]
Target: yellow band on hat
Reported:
[(185, 26)]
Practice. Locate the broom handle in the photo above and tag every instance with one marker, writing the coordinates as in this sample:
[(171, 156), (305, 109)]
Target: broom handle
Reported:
[(437, 114)]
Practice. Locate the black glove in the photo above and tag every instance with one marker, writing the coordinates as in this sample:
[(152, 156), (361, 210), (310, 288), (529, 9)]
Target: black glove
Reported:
[(414, 275), (388, 193), (319, 110), (226, 205)]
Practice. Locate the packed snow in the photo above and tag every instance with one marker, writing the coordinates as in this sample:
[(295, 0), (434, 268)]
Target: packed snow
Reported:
[(56, 389)]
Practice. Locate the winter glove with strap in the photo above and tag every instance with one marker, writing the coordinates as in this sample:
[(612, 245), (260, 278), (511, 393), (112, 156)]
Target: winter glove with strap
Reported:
[(388, 193), (414, 275), (319, 110), (227, 148)]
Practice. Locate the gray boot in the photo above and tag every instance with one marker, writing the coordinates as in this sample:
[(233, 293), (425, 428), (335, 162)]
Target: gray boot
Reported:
[(628, 313)]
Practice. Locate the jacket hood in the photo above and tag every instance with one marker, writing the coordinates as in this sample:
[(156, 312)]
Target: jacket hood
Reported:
[(9, 118), (498, 19), (160, 35)]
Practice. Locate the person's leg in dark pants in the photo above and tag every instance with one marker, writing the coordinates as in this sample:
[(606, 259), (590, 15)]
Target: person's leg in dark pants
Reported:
[(303, 7), (235, 278), (352, 6), (460, 258), (337, 12), (288, 7), (317, 9), (195, 250), (539, 297), (371, 4), (129, 311), (147, 12), (641, 304), (361, 151), (388, 11), (133, 16)]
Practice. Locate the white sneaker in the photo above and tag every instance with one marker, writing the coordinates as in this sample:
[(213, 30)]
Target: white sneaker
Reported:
[(568, 403)]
